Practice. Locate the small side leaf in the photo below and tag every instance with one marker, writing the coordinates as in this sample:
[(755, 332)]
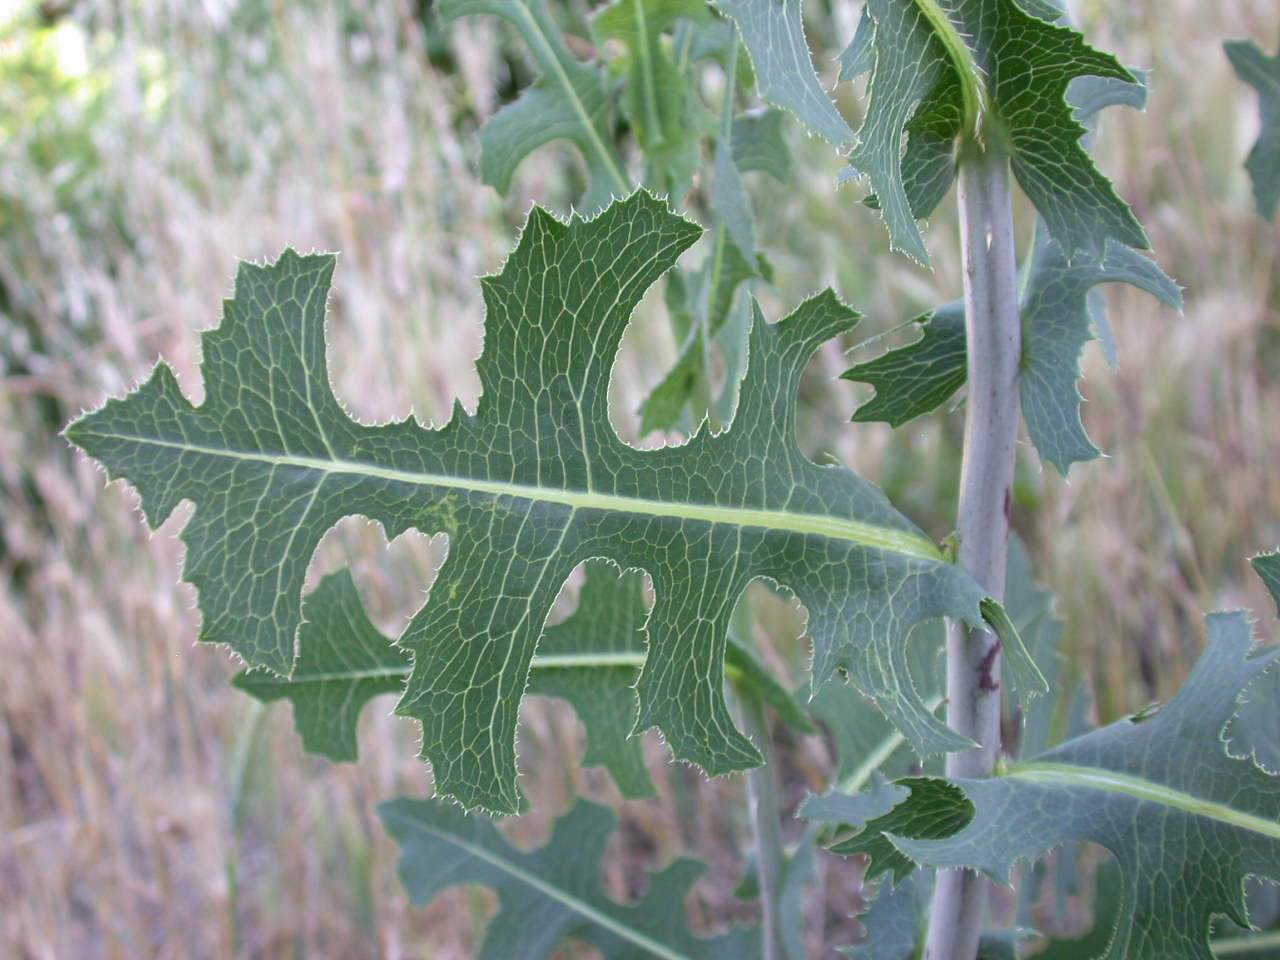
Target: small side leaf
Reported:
[(1263, 74), (1057, 323), (912, 380), (552, 894)]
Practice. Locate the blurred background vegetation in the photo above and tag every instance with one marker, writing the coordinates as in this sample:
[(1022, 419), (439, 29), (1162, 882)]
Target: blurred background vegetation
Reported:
[(146, 808)]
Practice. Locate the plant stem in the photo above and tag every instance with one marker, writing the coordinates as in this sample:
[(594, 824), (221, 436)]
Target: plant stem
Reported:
[(762, 796), (991, 430)]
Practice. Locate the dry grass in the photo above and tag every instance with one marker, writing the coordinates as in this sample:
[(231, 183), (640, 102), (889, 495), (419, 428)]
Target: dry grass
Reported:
[(147, 810)]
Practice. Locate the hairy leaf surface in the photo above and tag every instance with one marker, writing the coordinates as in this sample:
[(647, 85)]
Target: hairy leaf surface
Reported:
[(1186, 819), (1263, 74), (948, 69), (527, 487), (552, 894)]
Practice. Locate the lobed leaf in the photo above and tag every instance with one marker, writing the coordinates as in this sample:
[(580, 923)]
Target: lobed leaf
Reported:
[(552, 894), (1058, 317), (530, 485), (948, 70), (1185, 818), (1263, 74), (915, 379)]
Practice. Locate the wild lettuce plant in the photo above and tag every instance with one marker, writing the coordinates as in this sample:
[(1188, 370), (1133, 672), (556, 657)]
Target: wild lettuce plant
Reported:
[(985, 94)]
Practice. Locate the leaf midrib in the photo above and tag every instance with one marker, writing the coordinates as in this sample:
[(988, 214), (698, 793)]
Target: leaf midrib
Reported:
[(1095, 778), (836, 528), (554, 661), (556, 893)]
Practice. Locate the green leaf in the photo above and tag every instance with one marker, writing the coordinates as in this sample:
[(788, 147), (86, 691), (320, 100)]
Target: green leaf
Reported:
[(860, 55), (658, 98), (1185, 818), (759, 145), (343, 663), (947, 70), (1058, 319), (1262, 73), (892, 922), (1267, 567), (913, 807), (552, 894), (530, 485), (1057, 323), (591, 659), (866, 743), (912, 380), (569, 101), (773, 32), (571, 665)]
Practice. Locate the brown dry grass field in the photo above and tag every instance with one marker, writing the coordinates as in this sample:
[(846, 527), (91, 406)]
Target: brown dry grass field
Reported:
[(147, 809)]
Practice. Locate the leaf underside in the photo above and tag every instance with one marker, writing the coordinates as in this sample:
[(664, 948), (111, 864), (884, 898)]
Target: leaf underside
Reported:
[(1186, 818), (552, 894), (530, 485)]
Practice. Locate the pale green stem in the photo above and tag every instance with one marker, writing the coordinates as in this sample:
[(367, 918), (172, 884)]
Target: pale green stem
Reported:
[(991, 429)]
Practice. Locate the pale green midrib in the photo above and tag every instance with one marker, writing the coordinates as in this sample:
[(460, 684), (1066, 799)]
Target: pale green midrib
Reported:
[(555, 661), (961, 60), (835, 528), (1244, 944), (1069, 775), (558, 68), (557, 894)]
